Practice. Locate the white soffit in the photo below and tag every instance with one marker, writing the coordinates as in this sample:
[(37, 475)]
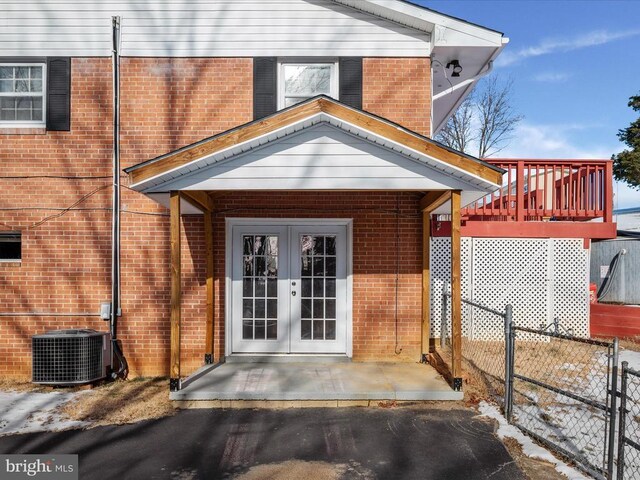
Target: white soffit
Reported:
[(474, 46)]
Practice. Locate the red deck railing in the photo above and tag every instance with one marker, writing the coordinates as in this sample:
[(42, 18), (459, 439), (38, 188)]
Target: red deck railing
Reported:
[(556, 190)]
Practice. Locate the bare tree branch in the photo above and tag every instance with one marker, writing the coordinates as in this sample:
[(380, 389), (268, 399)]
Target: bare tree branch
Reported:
[(458, 131), (484, 122)]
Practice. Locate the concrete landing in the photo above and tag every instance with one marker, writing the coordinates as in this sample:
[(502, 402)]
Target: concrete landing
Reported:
[(317, 381)]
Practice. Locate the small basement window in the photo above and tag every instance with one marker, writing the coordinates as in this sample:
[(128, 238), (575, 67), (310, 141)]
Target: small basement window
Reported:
[(298, 81), (10, 247), (22, 90)]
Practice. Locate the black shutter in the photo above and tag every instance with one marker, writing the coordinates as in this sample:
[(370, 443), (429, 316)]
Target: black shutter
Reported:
[(351, 81), (265, 86), (59, 93)]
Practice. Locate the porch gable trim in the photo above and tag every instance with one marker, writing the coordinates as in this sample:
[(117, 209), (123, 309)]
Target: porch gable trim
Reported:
[(142, 174)]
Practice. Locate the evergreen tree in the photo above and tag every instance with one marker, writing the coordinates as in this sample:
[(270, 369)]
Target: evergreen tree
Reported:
[(626, 165)]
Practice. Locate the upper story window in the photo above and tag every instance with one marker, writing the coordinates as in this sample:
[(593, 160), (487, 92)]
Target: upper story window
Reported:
[(298, 81), (22, 94)]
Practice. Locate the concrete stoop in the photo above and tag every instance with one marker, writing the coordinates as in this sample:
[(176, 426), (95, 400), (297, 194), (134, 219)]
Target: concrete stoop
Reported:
[(312, 384)]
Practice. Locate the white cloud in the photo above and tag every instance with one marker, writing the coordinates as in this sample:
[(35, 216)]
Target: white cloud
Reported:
[(552, 141), (598, 37), (551, 77)]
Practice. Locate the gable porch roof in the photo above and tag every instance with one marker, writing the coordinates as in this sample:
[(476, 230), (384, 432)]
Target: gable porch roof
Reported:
[(413, 162)]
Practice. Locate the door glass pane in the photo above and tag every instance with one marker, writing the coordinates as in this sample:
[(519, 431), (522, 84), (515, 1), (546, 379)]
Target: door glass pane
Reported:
[(272, 308), (306, 308), (306, 287), (318, 330), (247, 287), (272, 330), (318, 289), (259, 282), (330, 329), (272, 287), (260, 330), (306, 330)]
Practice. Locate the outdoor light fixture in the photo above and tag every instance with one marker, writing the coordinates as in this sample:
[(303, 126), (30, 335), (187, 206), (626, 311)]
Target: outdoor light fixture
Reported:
[(455, 64)]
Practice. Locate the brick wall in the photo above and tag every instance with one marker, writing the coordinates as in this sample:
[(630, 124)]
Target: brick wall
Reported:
[(168, 103), (387, 236), (399, 89)]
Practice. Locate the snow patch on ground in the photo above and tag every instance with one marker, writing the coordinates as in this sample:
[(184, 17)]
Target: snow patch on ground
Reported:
[(529, 448), (632, 357), (24, 412)]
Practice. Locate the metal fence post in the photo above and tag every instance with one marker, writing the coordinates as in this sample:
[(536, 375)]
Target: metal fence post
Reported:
[(612, 415), (622, 425), (443, 320), (509, 357)]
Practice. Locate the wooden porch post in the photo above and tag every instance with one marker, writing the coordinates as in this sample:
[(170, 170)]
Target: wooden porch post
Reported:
[(426, 283), (428, 204), (203, 202), (456, 295), (176, 291), (208, 234)]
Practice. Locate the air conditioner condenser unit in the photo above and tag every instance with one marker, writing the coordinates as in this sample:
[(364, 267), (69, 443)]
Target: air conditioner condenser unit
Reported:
[(70, 357)]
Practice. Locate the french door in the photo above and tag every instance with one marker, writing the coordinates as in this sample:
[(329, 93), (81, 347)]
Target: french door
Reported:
[(289, 289)]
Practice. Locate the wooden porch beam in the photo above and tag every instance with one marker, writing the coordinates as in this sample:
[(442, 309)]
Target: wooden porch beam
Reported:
[(426, 283), (456, 293), (199, 199), (176, 290), (208, 237), (433, 200)]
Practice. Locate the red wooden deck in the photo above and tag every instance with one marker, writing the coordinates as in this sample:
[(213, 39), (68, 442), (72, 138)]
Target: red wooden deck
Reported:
[(621, 321), (543, 199)]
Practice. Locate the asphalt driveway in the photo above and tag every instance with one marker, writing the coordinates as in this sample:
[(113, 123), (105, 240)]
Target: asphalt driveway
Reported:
[(355, 443)]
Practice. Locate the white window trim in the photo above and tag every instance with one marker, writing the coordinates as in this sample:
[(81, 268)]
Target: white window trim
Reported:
[(27, 123), (335, 74)]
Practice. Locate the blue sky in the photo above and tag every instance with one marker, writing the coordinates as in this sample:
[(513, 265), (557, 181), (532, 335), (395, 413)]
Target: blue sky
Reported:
[(574, 65)]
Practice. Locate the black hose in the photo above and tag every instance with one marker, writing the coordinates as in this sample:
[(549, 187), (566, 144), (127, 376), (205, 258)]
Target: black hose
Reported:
[(123, 366), (613, 268)]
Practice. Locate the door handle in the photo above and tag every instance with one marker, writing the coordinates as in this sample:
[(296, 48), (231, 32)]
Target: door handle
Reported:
[(293, 293)]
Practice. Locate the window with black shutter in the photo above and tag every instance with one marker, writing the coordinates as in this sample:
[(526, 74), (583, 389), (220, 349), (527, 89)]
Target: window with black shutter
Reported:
[(351, 81), (59, 94), (281, 83), (265, 86), (35, 92)]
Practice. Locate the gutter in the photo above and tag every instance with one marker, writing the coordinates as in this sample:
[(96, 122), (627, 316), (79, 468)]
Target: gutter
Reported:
[(115, 308)]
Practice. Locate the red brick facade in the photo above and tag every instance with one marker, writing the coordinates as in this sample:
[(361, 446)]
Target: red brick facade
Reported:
[(399, 89), (168, 103)]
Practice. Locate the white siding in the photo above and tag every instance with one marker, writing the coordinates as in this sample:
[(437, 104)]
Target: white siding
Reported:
[(227, 28), (318, 158)]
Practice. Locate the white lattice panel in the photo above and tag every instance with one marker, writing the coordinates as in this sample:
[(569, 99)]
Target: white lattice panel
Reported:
[(510, 271), (571, 285), (441, 281), (542, 279)]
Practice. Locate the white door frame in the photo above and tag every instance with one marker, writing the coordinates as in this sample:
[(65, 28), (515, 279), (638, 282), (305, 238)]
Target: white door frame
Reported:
[(231, 222)]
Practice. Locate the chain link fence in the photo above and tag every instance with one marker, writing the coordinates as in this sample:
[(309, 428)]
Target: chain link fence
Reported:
[(484, 360), (562, 395), (629, 428), (558, 388)]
